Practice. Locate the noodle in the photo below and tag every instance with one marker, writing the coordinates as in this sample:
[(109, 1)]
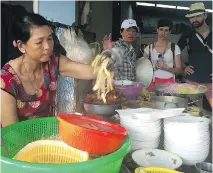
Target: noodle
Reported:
[(103, 83)]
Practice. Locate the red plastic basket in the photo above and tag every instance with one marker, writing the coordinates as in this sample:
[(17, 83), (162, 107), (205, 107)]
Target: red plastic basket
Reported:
[(91, 135)]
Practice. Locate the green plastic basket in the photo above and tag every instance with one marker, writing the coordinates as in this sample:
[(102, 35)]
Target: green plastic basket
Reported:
[(16, 136)]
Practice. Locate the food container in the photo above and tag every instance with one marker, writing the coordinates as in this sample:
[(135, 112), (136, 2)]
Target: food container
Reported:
[(51, 151), (155, 170), (204, 167), (136, 104), (130, 90), (166, 102), (90, 135), (101, 109), (18, 135)]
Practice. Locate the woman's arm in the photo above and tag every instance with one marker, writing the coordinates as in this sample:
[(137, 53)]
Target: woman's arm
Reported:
[(177, 69), (76, 70), (8, 109)]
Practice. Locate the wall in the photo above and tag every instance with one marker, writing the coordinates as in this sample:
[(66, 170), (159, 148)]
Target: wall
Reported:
[(58, 11), (126, 10), (28, 5), (101, 22)]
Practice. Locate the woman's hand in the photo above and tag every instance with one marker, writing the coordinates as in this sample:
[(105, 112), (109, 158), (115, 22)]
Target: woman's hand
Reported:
[(115, 54), (162, 65), (189, 70)]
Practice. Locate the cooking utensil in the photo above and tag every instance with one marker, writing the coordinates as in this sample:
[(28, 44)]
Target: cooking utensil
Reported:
[(165, 102), (90, 135), (101, 109), (47, 128), (154, 170), (50, 151), (144, 71), (137, 104), (204, 167), (130, 90)]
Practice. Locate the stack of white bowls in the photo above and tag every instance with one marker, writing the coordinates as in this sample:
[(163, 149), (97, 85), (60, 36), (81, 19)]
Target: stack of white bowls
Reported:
[(144, 133), (188, 137)]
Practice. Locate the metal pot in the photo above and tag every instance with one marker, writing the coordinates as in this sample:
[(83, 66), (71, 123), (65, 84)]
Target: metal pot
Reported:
[(204, 167), (101, 109), (192, 98), (166, 102)]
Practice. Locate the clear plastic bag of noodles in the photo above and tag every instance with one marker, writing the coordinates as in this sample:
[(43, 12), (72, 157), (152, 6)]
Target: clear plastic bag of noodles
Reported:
[(71, 92)]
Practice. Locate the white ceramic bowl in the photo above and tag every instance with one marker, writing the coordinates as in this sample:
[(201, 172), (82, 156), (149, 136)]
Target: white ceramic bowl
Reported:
[(190, 159), (181, 138), (136, 145), (156, 158), (187, 120), (140, 137)]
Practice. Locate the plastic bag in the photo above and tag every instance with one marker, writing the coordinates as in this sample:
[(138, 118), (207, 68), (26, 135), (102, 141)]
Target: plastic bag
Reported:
[(76, 47)]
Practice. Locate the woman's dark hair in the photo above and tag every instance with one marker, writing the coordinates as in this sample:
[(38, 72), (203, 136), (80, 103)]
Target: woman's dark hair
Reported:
[(22, 27), (165, 22)]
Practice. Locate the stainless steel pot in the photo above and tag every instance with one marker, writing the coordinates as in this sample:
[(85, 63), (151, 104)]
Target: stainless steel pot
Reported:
[(196, 99), (101, 109), (166, 102), (204, 167)]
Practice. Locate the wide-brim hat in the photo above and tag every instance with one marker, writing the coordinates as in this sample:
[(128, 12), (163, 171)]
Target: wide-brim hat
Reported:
[(196, 9)]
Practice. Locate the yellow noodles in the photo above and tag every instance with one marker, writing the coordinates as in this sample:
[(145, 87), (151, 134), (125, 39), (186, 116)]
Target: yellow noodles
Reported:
[(104, 77)]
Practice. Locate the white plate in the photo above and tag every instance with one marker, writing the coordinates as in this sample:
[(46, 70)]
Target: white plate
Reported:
[(144, 71), (156, 158)]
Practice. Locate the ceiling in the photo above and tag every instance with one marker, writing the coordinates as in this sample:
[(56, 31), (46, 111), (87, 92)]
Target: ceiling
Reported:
[(171, 13), (208, 4)]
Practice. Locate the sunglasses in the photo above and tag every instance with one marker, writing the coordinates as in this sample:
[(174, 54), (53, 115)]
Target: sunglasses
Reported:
[(161, 56)]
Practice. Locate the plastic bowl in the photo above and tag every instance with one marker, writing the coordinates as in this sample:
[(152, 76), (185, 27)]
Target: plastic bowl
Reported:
[(130, 92), (90, 135)]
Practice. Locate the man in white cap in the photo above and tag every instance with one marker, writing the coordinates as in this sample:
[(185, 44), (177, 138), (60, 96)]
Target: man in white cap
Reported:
[(199, 44), (127, 69)]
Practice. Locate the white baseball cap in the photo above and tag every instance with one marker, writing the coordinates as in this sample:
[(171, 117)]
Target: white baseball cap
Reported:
[(128, 23)]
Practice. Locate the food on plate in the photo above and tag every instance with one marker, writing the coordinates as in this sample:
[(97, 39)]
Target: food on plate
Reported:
[(133, 104), (185, 88), (104, 79), (145, 95), (112, 97)]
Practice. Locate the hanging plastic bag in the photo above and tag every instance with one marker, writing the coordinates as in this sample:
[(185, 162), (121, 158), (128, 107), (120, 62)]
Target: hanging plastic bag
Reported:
[(76, 47)]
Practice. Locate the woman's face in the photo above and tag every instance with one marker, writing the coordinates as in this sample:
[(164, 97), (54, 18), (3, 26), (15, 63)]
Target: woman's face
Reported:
[(163, 32), (40, 45)]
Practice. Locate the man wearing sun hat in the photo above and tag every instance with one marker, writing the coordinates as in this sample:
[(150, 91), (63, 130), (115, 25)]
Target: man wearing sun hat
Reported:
[(127, 69), (199, 44)]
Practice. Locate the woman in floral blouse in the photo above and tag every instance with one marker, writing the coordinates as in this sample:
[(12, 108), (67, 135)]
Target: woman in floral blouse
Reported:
[(28, 83)]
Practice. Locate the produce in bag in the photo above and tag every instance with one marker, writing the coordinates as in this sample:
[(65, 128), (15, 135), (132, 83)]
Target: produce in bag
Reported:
[(76, 47)]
